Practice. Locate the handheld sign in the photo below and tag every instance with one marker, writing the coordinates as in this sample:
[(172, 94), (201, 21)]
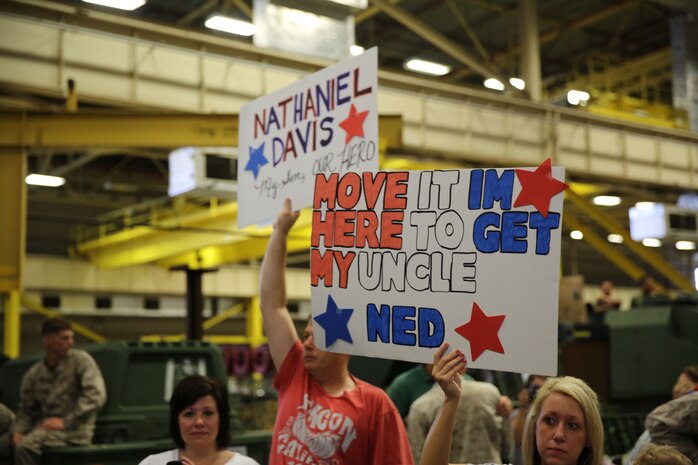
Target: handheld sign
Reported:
[(404, 261), (325, 123)]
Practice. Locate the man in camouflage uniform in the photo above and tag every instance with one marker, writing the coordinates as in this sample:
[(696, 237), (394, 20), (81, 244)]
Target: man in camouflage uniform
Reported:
[(60, 396), (675, 424)]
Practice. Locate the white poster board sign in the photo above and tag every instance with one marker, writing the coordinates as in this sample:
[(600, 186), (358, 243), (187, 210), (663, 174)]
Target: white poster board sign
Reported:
[(325, 123), (404, 261)]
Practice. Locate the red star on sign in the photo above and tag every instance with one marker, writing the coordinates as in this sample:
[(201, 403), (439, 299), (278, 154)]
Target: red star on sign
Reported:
[(538, 187), (481, 332), (354, 124)]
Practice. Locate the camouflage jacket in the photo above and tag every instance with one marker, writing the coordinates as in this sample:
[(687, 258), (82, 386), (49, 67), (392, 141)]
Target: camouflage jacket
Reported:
[(74, 390), (675, 423)]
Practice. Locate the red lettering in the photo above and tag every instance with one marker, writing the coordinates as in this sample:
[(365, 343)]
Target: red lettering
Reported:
[(325, 190), (290, 146), (396, 191), (391, 228), (366, 229), (372, 187), (259, 123), (344, 228), (321, 267), (322, 227), (357, 92), (283, 104), (343, 264), (349, 190)]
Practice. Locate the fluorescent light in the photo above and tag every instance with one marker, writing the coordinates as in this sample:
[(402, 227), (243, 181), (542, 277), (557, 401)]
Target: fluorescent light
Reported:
[(577, 235), (606, 200), (577, 97), (128, 5), (518, 83), (645, 206), (493, 84), (695, 277), (230, 25), (426, 67), (44, 180), (615, 238), (685, 245), (649, 242), (356, 50)]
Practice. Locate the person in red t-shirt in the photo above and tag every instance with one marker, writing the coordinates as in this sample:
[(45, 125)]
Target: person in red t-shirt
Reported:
[(325, 416)]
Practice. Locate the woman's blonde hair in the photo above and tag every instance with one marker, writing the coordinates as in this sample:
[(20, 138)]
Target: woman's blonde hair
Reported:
[(587, 400)]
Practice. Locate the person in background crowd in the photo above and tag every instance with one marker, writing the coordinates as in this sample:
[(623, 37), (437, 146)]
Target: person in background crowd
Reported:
[(649, 288), (7, 418), (686, 383), (59, 396), (563, 426), (606, 301), (482, 429), (653, 454), (518, 417), (408, 386), (325, 414), (199, 425), (675, 423)]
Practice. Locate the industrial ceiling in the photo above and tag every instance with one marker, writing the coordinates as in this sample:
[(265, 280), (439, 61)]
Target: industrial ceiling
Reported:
[(616, 46)]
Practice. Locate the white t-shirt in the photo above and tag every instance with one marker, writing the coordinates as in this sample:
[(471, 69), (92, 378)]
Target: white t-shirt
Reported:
[(163, 457)]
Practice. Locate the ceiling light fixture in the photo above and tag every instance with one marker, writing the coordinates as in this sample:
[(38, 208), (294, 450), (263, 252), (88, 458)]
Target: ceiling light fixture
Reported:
[(577, 97), (494, 84), (685, 245), (356, 50), (615, 238), (606, 200), (230, 25), (426, 67), (128, 5), (518, 83), (650, 242), (577, 235), (44, 180), (645, 206)]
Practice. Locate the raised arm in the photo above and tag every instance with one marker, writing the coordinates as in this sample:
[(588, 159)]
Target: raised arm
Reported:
[(447, 372), (278, 324)]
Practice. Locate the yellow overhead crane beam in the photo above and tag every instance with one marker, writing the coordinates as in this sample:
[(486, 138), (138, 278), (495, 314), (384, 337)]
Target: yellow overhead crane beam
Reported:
[(657, 263), (143, 130)]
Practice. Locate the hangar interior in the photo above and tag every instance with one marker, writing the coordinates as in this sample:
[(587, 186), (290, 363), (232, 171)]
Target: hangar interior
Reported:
[(100, 97)]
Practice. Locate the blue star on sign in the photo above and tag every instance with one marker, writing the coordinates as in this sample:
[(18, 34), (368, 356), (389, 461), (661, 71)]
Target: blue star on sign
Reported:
[(257, 160), (334, 321)]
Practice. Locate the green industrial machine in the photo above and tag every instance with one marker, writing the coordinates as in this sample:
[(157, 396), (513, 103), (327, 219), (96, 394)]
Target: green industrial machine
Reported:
[(648, 348), (139, 378)]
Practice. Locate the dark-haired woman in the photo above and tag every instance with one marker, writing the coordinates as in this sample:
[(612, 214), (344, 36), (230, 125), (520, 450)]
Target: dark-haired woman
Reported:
[(199, 425)]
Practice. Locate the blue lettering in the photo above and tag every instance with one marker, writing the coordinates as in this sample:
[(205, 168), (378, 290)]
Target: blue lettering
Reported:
[(403, 327), (378, 322), (475, 194), (341, 85), (277, 157), (498, 189), (543, 225), (431, 327), (513, 230), (486, 241)]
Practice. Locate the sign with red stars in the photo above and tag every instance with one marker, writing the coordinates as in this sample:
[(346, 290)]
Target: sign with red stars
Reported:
[(402, 262), (324, 123)]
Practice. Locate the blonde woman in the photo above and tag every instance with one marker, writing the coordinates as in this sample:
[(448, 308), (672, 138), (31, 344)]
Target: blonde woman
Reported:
[(563, 426)]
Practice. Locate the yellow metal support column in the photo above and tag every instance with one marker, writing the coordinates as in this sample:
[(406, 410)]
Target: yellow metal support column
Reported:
[(12, 325), (13, 226), (255, 329), (612, 226)]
